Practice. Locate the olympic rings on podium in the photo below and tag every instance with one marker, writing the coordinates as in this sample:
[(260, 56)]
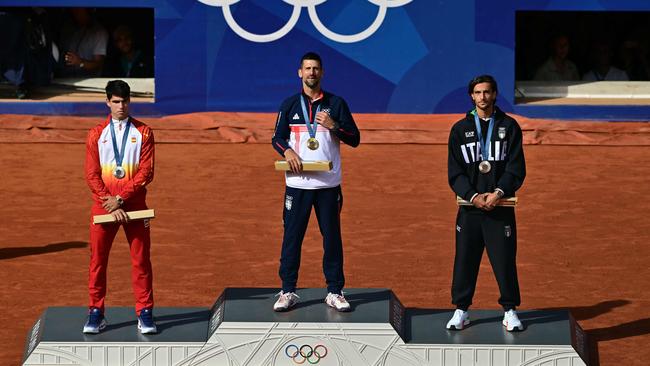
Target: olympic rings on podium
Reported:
[(299, 355), (383, 6)]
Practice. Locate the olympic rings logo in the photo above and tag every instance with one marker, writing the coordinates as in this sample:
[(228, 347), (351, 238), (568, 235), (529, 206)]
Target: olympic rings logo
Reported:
[(305, 353), (313, 15)]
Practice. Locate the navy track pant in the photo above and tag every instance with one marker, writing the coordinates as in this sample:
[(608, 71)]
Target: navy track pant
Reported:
[(496, 231), (327, 203)]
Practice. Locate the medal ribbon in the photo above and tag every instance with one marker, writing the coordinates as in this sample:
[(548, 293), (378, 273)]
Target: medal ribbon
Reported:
[(311, 129), (119, 156), (488, 138)]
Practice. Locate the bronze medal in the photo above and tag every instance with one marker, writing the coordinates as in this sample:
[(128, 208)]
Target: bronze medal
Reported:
[(484, 167)]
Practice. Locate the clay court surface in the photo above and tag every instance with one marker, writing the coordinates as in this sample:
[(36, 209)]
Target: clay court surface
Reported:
[(584, 231)]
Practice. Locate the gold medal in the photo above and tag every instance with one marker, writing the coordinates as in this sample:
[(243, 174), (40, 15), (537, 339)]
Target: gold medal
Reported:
[(312, 143), (484, 167)]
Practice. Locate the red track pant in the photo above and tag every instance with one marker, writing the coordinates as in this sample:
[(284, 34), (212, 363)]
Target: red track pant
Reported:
[(101, 240)]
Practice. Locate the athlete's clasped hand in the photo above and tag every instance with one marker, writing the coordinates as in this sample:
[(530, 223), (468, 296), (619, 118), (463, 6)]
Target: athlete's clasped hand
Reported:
[(486, 201), (110, 203), (120, 216), (293, 160), (491, 200), (479, 201)]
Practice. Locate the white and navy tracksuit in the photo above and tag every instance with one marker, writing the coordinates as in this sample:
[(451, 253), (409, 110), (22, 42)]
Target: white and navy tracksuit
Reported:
[(322, 190), (495, 230)]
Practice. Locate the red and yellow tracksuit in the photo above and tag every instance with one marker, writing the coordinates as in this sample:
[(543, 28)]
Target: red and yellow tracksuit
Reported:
[(138, 163)]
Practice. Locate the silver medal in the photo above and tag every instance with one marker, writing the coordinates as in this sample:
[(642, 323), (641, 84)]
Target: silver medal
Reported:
[(119, 172)]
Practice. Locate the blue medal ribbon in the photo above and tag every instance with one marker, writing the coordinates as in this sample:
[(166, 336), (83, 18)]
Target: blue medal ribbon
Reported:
[(311, 129), (488, 138), (119, 157)]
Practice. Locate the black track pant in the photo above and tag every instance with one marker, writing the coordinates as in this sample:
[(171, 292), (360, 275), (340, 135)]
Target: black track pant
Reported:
[(327, 203), (497, 232)]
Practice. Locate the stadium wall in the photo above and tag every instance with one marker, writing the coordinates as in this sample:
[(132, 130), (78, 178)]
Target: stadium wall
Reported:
[(407, 57)]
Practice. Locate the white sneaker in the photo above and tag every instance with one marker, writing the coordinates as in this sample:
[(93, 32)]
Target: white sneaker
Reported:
[(511, 321), (459, 321), (337, 301), (285, 301)]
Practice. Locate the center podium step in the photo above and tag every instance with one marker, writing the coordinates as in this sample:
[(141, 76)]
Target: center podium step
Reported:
[(241, 328)]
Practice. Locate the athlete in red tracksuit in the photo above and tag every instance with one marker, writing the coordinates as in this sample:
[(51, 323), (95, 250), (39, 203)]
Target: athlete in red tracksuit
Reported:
[(119, 165)]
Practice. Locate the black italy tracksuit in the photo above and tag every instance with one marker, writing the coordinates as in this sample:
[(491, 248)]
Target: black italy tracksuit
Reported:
[(495, 230)]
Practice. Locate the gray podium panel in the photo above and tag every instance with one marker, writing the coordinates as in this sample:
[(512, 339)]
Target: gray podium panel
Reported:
[(369, 306), (56, 338), (550, 338), (242, 329), (542, 328)]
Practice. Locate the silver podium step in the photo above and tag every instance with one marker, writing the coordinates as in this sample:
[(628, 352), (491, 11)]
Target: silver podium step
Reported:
[(242, 329), (56, 338)]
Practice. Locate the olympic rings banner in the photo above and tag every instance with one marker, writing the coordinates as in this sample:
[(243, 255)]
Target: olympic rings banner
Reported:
[(382, 56)]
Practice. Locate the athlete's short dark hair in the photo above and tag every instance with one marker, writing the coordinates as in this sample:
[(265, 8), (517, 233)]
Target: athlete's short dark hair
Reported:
[(311, 56), (119, 88), (482, 79)]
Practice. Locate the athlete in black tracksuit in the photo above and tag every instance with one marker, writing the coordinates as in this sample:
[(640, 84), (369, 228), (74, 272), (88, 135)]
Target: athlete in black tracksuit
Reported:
[(477, 228)]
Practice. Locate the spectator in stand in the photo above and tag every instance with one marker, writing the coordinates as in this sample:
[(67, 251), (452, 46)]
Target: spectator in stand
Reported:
[(634, 58), (129, 62), (13, 50), (26, 50), (84, 44), (603, 69), (558, 67), (42, 51)]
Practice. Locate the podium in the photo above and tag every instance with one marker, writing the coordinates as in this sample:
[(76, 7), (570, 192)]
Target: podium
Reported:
[(242, 329)]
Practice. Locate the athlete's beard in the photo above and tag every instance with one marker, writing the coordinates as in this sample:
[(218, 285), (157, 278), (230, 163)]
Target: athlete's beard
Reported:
[(312, 83), (488, 109)]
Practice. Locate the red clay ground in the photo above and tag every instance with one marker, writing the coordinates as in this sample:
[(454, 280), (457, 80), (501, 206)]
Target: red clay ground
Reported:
[(582, 222)]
